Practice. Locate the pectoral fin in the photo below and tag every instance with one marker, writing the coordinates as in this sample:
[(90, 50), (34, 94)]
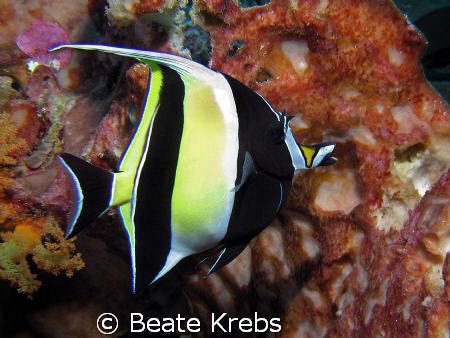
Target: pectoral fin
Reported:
[(248, 169), (226, 256)]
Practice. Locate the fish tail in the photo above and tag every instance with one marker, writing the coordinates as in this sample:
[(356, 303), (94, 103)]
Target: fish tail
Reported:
[(91, 191)]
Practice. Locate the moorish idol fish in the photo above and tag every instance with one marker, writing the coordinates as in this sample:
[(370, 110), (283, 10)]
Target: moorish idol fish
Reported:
[(209, 166)]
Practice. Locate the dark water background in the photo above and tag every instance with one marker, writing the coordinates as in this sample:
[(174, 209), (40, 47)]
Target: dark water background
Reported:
[(433, 17)]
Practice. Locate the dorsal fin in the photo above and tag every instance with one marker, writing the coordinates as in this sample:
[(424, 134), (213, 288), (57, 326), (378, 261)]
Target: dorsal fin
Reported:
[(181, 65)]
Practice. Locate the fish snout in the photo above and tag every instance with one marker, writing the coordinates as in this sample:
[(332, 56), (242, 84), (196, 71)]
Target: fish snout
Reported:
[(316, 155), (325, 154)]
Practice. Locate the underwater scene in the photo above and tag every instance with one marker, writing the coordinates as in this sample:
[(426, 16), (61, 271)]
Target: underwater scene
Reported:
[(224, 168)]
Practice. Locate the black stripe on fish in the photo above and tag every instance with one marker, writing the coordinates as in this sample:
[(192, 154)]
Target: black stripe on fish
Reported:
[(258, 200), (152, 216), (260, 123)]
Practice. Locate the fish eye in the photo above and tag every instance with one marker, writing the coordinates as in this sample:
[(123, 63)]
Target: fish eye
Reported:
[(277, 134)]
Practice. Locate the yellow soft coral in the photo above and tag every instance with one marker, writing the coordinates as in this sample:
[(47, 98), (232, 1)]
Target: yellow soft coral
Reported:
[(13, 251), (11, 147), (56, 255), (44, 241)]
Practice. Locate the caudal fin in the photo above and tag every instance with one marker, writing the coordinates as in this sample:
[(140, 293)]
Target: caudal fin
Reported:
[(90, 192)]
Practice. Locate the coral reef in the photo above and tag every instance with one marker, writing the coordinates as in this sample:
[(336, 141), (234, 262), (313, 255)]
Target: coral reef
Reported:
[(29, 236), (361, 248), (31, 128)]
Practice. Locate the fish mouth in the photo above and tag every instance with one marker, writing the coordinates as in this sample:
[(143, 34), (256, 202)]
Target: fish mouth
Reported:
[(328, 160)]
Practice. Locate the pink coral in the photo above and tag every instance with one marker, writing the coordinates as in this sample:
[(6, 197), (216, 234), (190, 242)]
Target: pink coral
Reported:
[(41, 36)]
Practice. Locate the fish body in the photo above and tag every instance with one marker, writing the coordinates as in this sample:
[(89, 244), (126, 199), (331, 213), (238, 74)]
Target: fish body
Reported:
[(209, 166)]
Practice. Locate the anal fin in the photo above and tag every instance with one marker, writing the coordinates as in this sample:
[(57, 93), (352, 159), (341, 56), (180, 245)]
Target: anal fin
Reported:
[(226, 256)]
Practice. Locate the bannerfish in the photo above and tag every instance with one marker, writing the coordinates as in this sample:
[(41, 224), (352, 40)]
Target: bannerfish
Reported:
[(210, 165)]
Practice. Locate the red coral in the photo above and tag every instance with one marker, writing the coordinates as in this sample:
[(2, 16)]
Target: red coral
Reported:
[(148, 6), (24, 115)]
